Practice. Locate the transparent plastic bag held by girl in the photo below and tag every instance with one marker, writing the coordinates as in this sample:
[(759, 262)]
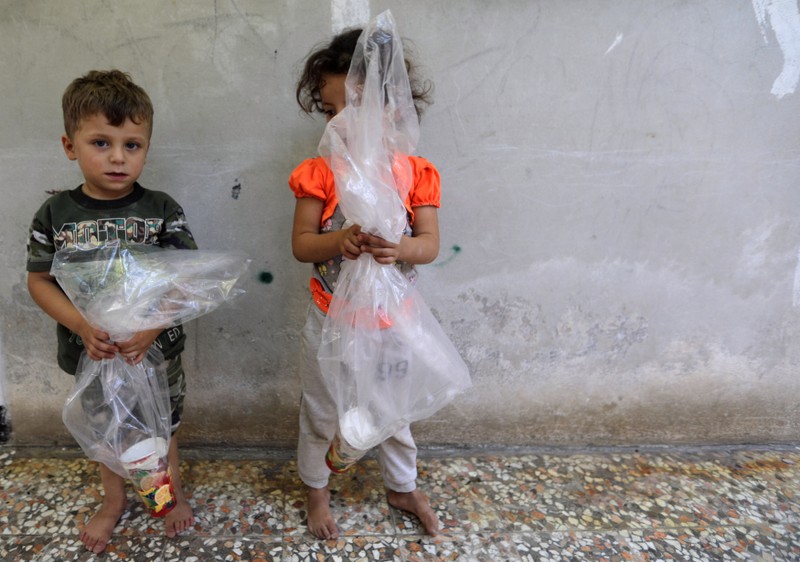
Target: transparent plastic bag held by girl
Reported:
[(386, 360), (120, 413)]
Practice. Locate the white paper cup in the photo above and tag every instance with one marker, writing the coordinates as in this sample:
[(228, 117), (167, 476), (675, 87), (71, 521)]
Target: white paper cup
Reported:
[(144, 455), (352, 440), (150, 475)]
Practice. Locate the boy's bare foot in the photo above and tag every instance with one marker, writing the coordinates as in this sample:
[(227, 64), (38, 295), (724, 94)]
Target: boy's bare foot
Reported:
[(179, 519), (181, 516), (417, 503), (97, 532), (320, 518)]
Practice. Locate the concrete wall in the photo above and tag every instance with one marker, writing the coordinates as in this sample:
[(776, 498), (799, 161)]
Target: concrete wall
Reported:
[(620, 224)]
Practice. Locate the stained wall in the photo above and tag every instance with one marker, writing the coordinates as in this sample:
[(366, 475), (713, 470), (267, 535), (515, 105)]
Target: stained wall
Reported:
[(619, 225)]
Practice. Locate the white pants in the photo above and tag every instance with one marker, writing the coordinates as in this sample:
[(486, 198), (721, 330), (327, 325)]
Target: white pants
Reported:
[(319, 420)]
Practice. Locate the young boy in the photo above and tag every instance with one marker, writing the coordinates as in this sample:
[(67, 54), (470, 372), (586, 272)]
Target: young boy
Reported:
[(108, 122)]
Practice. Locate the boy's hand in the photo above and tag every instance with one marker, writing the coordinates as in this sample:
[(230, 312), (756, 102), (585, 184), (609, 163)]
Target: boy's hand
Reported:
[(96, 343), (382, 250), (350, 242), (135, 349)]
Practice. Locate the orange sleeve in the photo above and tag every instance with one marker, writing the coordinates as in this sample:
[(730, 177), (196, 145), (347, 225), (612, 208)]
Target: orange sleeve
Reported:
[(426, 190), (313, 178)]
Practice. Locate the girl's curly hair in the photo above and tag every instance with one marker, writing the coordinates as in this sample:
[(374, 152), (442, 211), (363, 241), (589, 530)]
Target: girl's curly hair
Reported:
[(334, 58)]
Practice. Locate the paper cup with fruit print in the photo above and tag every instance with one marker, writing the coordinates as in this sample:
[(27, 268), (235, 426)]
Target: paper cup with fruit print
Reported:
[(149, 472), (356, 436)]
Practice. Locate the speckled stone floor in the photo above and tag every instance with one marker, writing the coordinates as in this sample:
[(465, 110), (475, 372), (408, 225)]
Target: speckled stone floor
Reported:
[(646, 505)]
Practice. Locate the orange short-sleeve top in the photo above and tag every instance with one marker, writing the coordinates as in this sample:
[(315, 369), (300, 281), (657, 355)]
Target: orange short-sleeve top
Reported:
[(313, 178)]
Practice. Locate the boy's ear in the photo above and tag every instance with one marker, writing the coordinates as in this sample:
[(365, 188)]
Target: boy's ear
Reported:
[(69, 147)]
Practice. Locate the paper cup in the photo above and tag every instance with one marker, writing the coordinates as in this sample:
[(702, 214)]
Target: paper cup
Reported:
[(355, 437), (341, 455), (150, 475)]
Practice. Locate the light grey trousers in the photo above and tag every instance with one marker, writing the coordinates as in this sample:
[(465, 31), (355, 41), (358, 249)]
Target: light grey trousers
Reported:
[(319, 420)]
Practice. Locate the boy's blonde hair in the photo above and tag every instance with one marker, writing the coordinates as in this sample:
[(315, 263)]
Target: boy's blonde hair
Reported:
[(111, 93)]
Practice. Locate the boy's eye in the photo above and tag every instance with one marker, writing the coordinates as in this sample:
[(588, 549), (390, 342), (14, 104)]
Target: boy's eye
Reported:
[(132, 145), (100, 143)]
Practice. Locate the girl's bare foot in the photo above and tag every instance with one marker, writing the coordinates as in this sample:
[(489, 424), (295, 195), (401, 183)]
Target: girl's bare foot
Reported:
[(417, 503), (97, 532), (179, 519), (320, 518)]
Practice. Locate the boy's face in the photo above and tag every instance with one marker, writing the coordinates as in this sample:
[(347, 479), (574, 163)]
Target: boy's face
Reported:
[(110, 158), (332, 93)]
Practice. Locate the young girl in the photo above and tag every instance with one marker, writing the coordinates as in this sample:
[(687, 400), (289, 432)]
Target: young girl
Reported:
[(319, 237)]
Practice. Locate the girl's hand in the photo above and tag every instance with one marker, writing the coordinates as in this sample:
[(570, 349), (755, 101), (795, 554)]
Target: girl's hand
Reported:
[(96, 343), (350, 242), (135, 349), (383, 251), (422, 247)]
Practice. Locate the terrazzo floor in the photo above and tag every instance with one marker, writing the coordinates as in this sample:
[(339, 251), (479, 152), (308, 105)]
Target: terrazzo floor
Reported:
[(631, 505)]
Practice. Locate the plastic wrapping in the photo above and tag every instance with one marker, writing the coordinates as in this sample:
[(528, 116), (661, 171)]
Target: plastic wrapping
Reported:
[(367, 143), (120, 413), (124, 290), (384, 356), (120, 416)]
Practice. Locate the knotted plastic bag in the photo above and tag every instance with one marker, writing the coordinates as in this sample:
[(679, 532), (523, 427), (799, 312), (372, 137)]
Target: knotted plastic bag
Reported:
[(117, 412), (384, 357)]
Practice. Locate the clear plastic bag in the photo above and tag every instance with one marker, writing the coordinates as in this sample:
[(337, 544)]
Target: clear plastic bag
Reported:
[(124, 290), (384, 356), (366, 143), (120, 416), (120, 413)]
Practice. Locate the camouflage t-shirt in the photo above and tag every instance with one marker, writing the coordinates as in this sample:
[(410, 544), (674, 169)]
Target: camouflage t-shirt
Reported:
[(71, 218)]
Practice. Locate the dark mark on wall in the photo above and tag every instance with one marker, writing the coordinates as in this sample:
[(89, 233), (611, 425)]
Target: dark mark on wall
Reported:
[(5, 426), (265, 277), (53, 191), (236, 189), (455, 249)]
